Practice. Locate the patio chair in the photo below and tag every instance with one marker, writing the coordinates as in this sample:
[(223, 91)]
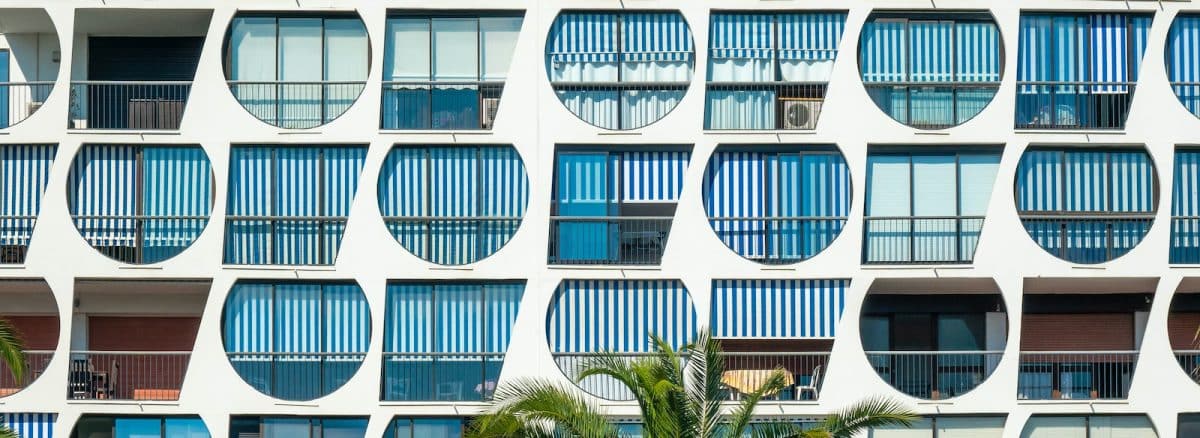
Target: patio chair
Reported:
[(813, 382)]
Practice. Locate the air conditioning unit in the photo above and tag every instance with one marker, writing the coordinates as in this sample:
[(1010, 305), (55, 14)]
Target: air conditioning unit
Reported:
[(490, 105), (799, 113), (33, 107)]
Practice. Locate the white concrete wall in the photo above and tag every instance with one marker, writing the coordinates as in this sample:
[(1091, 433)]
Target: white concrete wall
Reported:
[(533, 120)]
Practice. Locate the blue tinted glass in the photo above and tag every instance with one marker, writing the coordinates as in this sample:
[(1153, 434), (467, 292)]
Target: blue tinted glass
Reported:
[(186, 428), (344, 427), (437, 428), (138, 428)]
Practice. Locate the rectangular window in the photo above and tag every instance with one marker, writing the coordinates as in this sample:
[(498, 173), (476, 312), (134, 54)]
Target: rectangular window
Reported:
[(614, 206), (90, 426), (288, 205), (927, 207), (446, 341), (1095, 426), (944, 427), (297, 427), (430, 427), (446, 72)]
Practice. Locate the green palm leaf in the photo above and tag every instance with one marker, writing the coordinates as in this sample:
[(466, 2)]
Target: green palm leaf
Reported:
[(12, 350), (8, 433), (875, 412)]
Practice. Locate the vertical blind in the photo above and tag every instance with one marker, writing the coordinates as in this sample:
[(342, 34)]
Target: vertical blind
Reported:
[(946, 50), (24, 172), (589, 316), (293, 200), (158, 197), (785, 187), (30, 425), (777, 308), (451, 317), (1096, 48), (296, 318), (1183, 60), (465, 186)]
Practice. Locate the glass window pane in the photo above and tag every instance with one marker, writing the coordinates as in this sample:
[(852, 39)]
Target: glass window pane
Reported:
[(286, 428), (94, 427), (933, 185), (399, 428), (876, 335), (913, 332), (977, 174), (437, 428), (186, 428), (1055, 427), (407, 54), (1189, 425), (344, 427), (138, 428), (252, 49), (300, 49), (922, 428), (970, 427), (345, 50), (455, 49), (499, 38), (960, 332), (1121, 426), (888, 182)]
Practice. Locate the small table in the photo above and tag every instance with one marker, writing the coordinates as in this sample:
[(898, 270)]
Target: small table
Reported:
[(748, 381)]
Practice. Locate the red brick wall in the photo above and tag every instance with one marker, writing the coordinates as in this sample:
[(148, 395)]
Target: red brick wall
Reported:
[(131, 333), (1181, 327), (1077, 332), (38, 332)]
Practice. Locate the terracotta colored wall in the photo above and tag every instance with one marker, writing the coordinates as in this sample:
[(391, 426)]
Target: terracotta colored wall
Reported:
[(129, 333), (1077, 332)]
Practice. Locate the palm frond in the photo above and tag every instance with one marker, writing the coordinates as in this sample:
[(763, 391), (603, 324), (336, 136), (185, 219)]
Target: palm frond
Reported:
[(776, 430), (12, 350), (540, 409), (704, 393), (8, 433), (874, 412), (740, 418)]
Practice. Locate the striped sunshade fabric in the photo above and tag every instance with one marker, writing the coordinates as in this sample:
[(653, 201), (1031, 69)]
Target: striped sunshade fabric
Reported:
[(1086, 180), (24, 173), (292, 317), (619, 315), (1096, 48), (943, 49), (801, 36), (777, 308), (30, 425), (451, 317)]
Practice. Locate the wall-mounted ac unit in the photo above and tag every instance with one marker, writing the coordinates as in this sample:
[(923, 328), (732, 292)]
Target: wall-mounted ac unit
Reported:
[(490, 105), (799, 113)]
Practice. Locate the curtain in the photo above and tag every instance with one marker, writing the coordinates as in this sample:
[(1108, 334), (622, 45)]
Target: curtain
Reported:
[(977, 175), (656, 47), (24, 173), (404, 191), (252, 57), (888, 194), (498, 39), (733, 188), (1185, 201), (407, 57), (619, 315), (176, 181), (933, 188), (30, 425), (297, 180), (300, 60), (741, 49), (455, 58), (583, 181), (249, 313), (103, 178), (346, 55), (342, 167), (1120, 426), (409, 319), (808, 45), (248, 241)]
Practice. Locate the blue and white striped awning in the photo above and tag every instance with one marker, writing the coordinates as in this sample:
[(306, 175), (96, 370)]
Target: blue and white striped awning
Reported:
[(296, 317), (1081, 181), (742, 36), (811, 36), (619, 315), (884, 56), (103, 183), (777, 308), (30, 425), (931, 56), (946, 50), (1097, 48), (1110, 49), (977, 52), (653, 176), (451, 317), (1186, 192), (583, 37), (1183, 60), (655, 36), (24, 172)]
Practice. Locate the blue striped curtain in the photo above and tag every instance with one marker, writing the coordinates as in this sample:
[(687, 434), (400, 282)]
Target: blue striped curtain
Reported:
[(583, 37), (298, 318), (619, 315), (24, 173), (655, 37), (30, 425), (733, 187), (1101, 48), (741, 36), (1183, 61), (103, 183), (810, 36), (456, 183), (176, 181), (1185, 205), (347, 319), (450, 317), (250, 194), (884, 51), (653, 176), (977, 52), (297, 182), (777, 308)]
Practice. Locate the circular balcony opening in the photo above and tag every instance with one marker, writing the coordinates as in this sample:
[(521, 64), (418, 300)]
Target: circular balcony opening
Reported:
[(27, 75), (453, 205), (297, 71), (934, 339), (777, 204), (588, 317), (32, 312), (931, 70), (620, 70), (1086, 205), (1183, 323), (296, 341), (1183, 61), (140, 204)]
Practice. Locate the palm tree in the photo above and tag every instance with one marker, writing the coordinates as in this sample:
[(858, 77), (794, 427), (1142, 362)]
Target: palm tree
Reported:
[(679, 394), (12, 353)]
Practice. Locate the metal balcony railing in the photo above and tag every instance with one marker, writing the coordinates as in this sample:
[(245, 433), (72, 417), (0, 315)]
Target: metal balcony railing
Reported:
[(452, 240), (1189, 360), (746, 372), (1185, 239), (466, 105), (777, 240), (932, 105), (572, 364), (128, 104), (296, 104), (1075, 375), (140, 239), (296, 376), (19, 100), (600, 240), (283, 240), (440, 376), (915, 240), (36, 362), (763, 105), (620, 105), (126, 375), (934, 375), (15, 233), (1087, 238), (1073, 105)]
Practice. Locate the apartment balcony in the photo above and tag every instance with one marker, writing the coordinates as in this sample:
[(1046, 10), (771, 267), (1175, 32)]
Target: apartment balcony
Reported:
[(452, 240), (604, 240), (1189, 360), (440, 376), (296, 104), (1073, 105), (36, 362), (126, 375), (139, 239), (934, 375), (1075, 375), (440, 105), (932, 105), (1087, 238), (283, 240), (763, 105), (778, 240), (133, 105), (296, 376), (19, 100), (1185, 239), (15, 234), (620, 105), (921, 240)]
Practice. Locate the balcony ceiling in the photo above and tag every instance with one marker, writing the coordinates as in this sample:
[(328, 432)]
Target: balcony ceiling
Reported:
[(925, 286), (142, 22), (26, 297), (1145, 285), (26, 21)]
